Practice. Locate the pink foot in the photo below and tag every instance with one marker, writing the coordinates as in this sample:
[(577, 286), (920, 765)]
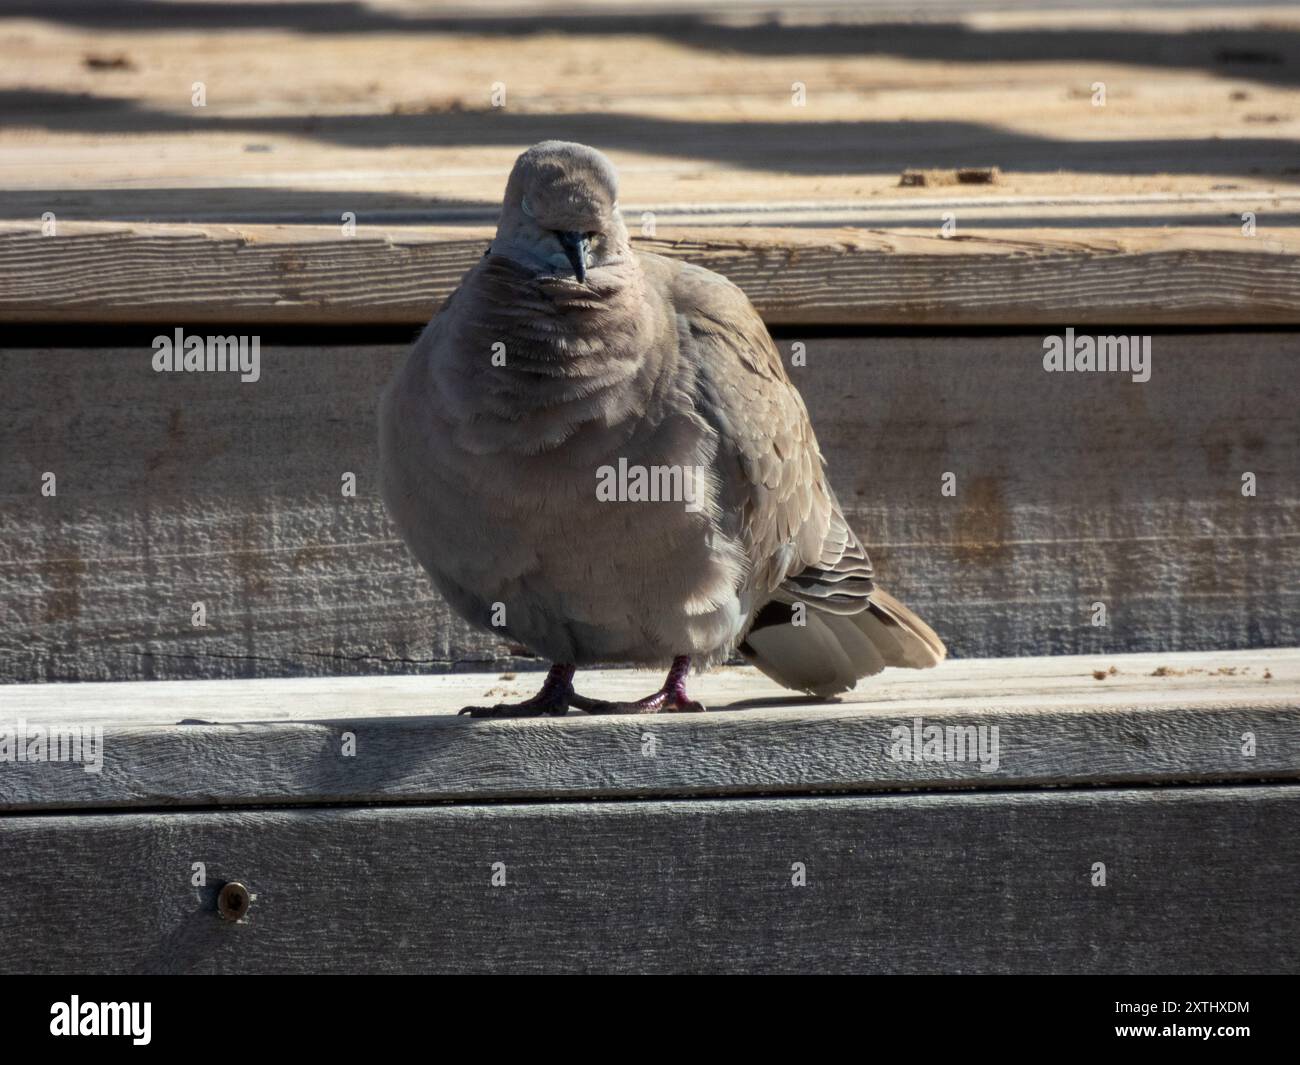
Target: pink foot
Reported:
[(671, 698), (554, 699)]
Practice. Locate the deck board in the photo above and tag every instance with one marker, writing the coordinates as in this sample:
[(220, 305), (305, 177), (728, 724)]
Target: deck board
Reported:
[(1128, 212), (1156, 719), (1198, 880), (309, 276), (356, 99), (1070, 490)]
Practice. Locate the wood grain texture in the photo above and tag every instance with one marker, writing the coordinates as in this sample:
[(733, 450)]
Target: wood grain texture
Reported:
[(770, 147), (1071, 490), (1168, 679), (157, 275), (312, 109), (1197, 881), (1215, 717)]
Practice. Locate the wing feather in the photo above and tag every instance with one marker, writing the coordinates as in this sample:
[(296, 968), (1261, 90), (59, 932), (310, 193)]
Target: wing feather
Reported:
[(800, 546)]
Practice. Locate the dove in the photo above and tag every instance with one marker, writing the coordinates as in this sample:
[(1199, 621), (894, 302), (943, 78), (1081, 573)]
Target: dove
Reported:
[(597, 453)]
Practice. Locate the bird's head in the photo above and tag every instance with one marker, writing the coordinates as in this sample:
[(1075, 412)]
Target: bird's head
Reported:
[(560, 215)]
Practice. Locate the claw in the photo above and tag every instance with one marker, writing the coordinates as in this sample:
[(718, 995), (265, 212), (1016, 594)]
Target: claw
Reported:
[(551, 701), (557, 696), (670, 699), (524, 709)]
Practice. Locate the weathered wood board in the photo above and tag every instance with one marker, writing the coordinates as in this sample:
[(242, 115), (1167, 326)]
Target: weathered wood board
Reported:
[(1071, 490), (772, 147), (1196, 881), (305, 105), (1126, 719), (1204, 272), (741, 840)]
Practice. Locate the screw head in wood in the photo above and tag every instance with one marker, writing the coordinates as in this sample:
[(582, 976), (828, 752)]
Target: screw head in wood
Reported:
[(233, 901)]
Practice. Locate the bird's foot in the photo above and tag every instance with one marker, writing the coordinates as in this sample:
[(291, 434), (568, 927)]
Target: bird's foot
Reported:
[(553, 700), (659, 703), (670, 699)]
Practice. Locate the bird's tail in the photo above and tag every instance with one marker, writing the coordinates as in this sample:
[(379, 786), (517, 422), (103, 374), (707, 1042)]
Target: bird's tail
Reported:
[(830, 653)]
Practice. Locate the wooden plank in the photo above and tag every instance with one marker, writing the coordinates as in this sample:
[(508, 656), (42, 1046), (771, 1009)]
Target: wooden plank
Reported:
[(1071, 490), (307, 104), (1197, 880), (1167, 679), (313, 111), (1023, 722), (157, 275)]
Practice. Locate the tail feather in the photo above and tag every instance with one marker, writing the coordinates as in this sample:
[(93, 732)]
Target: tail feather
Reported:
[(830, 653), (918, 645)]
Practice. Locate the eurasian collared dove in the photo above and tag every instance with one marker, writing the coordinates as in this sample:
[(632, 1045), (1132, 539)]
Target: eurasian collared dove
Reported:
[(598, 453)]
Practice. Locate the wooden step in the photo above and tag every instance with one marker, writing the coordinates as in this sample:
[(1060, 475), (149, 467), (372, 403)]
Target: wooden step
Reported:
[(164, 275), (813, 158), (1070, 490), (1067, 720), (1147, 822)]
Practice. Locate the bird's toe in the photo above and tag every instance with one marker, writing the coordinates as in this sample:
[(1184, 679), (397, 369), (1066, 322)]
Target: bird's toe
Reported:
[(516, 710)]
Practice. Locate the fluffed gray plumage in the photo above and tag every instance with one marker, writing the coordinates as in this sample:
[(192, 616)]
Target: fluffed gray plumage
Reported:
[(564, 351)]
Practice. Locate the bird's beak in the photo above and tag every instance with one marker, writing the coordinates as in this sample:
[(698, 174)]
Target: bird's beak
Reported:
[(575, 250)]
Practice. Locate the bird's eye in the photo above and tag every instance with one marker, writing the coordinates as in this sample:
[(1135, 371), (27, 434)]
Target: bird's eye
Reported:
[(592, 235)]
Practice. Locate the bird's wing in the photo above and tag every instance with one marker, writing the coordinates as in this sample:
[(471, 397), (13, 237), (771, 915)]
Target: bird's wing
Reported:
[(794, 532)]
